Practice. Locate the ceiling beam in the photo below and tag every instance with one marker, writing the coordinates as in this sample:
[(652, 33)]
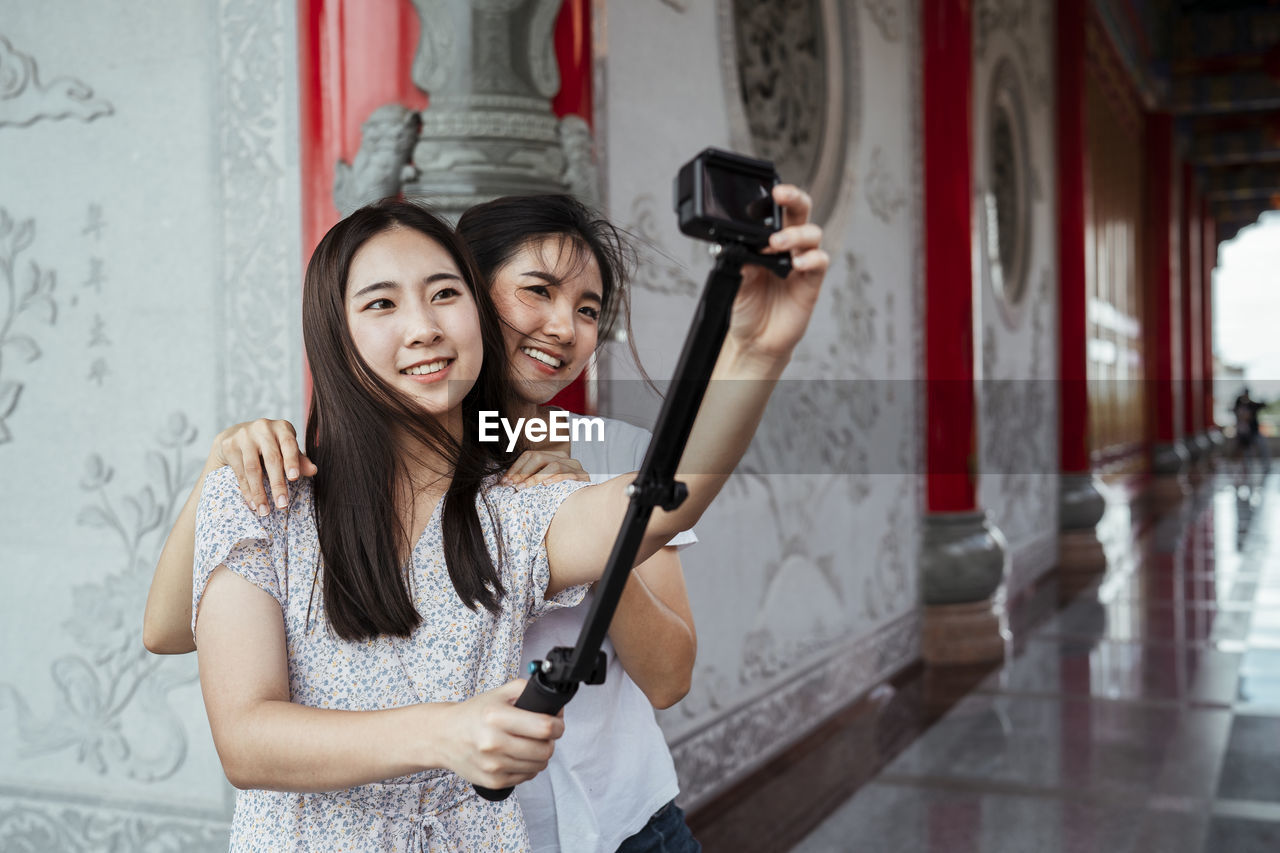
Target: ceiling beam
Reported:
[(1241, 211), (1210, 37), (1242, 183), (1211, 94), (1221, 147)]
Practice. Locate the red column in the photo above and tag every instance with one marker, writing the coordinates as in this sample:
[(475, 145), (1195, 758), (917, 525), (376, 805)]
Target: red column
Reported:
[(1192, 272), (1209, 258), (1161, 264), (573, 50), (948, 188), (356, 55), (1073, 390), (353, 57)]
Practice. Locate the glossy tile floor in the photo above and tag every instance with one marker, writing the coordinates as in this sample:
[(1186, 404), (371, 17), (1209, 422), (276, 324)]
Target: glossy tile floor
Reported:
[(1143, 716)]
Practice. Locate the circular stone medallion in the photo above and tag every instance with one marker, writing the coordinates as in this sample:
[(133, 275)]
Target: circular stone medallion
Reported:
[(792, 90)]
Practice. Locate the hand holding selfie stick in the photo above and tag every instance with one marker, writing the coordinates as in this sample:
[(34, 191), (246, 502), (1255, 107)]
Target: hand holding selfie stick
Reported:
[(724, 216)]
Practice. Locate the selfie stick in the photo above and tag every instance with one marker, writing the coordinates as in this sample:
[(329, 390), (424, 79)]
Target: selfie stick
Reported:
[(554, 681)]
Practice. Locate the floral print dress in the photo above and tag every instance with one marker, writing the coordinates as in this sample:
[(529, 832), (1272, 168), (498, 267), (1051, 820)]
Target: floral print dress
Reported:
[(454, 654)]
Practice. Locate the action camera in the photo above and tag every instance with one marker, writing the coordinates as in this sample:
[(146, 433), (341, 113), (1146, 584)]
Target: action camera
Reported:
[(724, 197)]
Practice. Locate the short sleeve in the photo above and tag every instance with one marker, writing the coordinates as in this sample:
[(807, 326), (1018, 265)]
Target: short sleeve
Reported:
[(526, 516), (229, 534)]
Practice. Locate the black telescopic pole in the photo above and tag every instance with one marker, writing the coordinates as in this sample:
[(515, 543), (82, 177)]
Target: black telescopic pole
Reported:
[(554, 681)]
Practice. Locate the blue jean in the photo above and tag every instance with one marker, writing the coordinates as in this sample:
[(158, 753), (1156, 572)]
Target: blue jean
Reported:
[(666, 832)]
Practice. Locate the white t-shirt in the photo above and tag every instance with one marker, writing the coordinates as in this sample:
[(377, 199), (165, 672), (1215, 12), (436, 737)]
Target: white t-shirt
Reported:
[(611, 770)]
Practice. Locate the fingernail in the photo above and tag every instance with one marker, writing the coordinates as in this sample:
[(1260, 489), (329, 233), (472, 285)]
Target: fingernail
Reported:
[(282, 501), (263, 510), (292, 473)]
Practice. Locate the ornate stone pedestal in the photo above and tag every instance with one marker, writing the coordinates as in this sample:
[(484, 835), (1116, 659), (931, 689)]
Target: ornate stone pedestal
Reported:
[(963, 633), (1081, 561), (1217, 441), (962, 567), (1203, 458), (1169, 464), (1081, 558), (490, 69)]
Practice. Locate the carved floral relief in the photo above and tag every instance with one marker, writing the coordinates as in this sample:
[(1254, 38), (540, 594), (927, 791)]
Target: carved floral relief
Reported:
[(111, 705), (657, 272), (884, 194), (27, 304)]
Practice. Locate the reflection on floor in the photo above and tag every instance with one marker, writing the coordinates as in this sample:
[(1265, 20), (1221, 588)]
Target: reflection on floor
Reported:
[(1144, 716)]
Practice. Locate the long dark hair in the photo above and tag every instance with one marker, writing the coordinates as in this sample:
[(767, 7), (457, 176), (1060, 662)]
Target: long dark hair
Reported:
[(351, 428), (497, 230)]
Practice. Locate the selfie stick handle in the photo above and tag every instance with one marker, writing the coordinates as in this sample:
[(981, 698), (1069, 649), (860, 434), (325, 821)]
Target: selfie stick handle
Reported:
[(554, 681)]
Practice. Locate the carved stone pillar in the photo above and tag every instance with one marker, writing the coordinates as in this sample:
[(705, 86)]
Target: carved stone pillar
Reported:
[(489, 67)]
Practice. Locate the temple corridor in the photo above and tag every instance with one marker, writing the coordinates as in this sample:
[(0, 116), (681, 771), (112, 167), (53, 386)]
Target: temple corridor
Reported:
[(1142, 716)]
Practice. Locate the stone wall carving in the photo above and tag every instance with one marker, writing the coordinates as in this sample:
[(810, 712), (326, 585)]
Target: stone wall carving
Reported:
[(742, 739), (887, 17), (28, 302), (992, 16), (32, 302), (885, 196), (887, 586), (261, 275), (1013, 46), (915, 66), (24, 100), (103, 746), (657, 272), (855, 309), (1007, 178), (782, 72), (111, 699), (32, 826), (1027, 27), (793, 88), (794, 573)]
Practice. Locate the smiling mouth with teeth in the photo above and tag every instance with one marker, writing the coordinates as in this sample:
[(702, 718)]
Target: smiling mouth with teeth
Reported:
[(425, 369), (541, 356)]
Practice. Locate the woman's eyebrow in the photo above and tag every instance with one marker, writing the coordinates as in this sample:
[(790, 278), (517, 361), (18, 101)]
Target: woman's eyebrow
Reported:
[(391, 285), (549, 278), (442, 276), (553, 281), (377, 285)]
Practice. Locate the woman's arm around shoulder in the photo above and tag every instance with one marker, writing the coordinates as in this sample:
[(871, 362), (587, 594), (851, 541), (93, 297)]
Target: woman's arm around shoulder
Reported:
[(250, 449)]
